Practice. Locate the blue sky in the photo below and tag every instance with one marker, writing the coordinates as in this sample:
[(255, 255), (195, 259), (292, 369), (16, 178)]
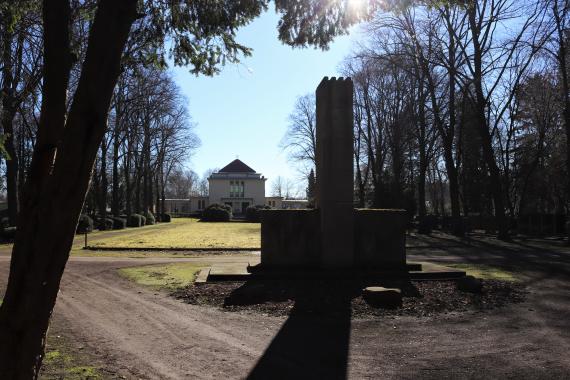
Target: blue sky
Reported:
[(244, 110)]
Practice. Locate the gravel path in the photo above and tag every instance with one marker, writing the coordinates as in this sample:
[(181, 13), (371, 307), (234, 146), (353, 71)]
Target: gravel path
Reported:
[(138, 333)]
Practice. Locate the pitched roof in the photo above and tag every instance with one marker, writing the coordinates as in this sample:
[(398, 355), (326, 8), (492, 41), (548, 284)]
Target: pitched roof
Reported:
[(236, 166)]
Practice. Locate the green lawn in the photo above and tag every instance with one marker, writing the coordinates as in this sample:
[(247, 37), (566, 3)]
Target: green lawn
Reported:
[(185, 233), (170, 276), (486, 272)]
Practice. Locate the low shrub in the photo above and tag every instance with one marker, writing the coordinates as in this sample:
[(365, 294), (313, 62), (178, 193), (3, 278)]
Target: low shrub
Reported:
[(136, 220), (217, 213), (104, 224), (85, 224), (119, 223), (165, 218), (252, 213), (150, 219)]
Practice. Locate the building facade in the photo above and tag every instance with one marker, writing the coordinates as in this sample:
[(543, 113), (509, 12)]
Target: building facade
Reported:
[(236, 185)]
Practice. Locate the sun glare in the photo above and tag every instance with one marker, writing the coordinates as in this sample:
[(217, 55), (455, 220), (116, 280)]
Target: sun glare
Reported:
[(356, 6)]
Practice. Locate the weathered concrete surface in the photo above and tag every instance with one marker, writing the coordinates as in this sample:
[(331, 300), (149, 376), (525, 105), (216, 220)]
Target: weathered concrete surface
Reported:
[(334, 164), (290, 238), (380, 238)]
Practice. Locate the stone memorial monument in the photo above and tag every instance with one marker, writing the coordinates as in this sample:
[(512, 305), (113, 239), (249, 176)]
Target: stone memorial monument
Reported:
[(334, 236)]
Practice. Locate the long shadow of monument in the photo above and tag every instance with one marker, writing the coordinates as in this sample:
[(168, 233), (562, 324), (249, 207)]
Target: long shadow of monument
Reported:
[(313, 342)]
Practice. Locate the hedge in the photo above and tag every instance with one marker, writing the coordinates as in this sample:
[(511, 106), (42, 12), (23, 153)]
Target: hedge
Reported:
[(119, 223), (150, 219), (85, 224), (252, 213), (165, 218), (136, 220), (105, 224), (217, 213)]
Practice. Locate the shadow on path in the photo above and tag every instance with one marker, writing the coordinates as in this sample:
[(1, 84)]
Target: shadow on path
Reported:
[(308, 346), (313, 342)]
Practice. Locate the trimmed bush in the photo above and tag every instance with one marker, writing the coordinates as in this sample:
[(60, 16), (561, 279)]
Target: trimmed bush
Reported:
[(150, 219), (104, 224), (217, 213), (85, 224), (136, 220), (165, 218), (252, 213), (119, 223)]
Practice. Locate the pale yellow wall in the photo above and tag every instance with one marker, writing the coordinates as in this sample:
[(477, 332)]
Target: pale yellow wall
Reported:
[(253, 188)]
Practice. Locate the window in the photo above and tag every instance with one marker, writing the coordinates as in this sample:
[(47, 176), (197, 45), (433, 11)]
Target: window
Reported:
[(237, 189)]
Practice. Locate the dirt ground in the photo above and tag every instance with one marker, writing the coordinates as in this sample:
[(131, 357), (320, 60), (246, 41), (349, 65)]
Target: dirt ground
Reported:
[(135, 332)]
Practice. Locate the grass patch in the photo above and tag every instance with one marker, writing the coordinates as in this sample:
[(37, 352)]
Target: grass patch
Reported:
[(186, 233), (487, 272), (59, 364), (170, 276)]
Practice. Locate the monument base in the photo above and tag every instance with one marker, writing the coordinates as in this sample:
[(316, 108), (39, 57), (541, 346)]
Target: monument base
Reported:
[(261, 271), (245, 272), (290, 239)]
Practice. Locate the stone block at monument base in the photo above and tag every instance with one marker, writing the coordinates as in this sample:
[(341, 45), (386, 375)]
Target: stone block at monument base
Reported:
[(290, 238), (380, 238)]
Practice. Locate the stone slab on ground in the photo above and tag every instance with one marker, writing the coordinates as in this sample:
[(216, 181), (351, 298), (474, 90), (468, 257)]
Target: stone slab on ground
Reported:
[(202, 276), (239, 272), (229, 272), (431, 271)]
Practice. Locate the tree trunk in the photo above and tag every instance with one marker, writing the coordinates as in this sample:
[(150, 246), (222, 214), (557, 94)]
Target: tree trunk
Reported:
[(452, 177), (422, 212), (38, 263), (115, 206), (484, 133), (8, 114), (12, 167), (128, 185), (562, 56), (104, 182)]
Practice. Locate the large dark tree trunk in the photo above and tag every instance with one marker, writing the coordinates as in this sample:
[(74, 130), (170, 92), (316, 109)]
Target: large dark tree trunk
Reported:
[(57, 184)]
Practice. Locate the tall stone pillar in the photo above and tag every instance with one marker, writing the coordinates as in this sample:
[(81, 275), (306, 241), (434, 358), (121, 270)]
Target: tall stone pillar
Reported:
[(334, 164)]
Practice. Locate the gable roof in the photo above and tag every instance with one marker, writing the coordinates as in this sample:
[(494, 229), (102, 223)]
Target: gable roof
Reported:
[(236, 166)]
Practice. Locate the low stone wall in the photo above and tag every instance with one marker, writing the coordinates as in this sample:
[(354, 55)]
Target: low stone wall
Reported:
[(290, 238), (380, 238)]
